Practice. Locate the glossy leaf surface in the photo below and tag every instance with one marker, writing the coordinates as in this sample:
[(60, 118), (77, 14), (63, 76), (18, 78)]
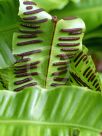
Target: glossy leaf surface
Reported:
[(54, 112)]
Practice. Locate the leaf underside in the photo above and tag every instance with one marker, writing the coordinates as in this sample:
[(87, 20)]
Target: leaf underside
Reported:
[(43, 46), (57, 42), (83, 71)]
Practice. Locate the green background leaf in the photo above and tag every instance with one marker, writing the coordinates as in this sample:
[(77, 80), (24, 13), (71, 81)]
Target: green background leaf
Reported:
[(53, 4), (42, 113), (89, 10), (8, 24)]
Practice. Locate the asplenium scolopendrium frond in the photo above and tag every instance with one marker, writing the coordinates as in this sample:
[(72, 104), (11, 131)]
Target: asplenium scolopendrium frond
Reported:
[(34, 46), (83, 71), (42, 47)]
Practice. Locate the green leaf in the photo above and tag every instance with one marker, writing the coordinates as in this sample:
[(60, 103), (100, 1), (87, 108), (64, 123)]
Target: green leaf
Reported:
[(75, 1), (51, 4), (55, 112), (39, 34), (2, 85), (83, 71), (67, 41), (9, 20), (8, 24), (38, 48), (93, 39), (94, 44), (89, 10), (6, 57), (96, 33)]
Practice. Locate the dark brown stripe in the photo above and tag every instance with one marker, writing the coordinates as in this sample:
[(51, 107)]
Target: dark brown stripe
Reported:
[(40, 21), (30, 26), (17, 71), (22, 75), (29, 7), (25, 86), (35, 63), (23, 60), (29, 18), (79, 80), (58, 79), (75, 33), (33, 11), (71, 81), (62, 68), (68, 44), (88, 74), (97, 85), (28, 65), (31, 32), (95, 82), (80, 60), (65, 56), (59, 73), (29, 42), (22, 81), (72, 30), (91, 76), (87, 61), (60, 63), (75, 80), (69, 38), (78, 56), (27, 36), (62, 56), (55, 84), (29, 53), (34, 73), (32, 67), (69, 49), (70, 18), (29, 3), (85, 58), (26, 74), (98, 89), (86, 71), (20, 71)]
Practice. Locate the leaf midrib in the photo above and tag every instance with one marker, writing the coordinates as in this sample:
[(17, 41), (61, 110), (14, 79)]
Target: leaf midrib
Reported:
[(27, 122)]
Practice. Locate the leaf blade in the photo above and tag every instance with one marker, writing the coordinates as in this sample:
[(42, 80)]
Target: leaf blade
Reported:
[(65, 111)]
